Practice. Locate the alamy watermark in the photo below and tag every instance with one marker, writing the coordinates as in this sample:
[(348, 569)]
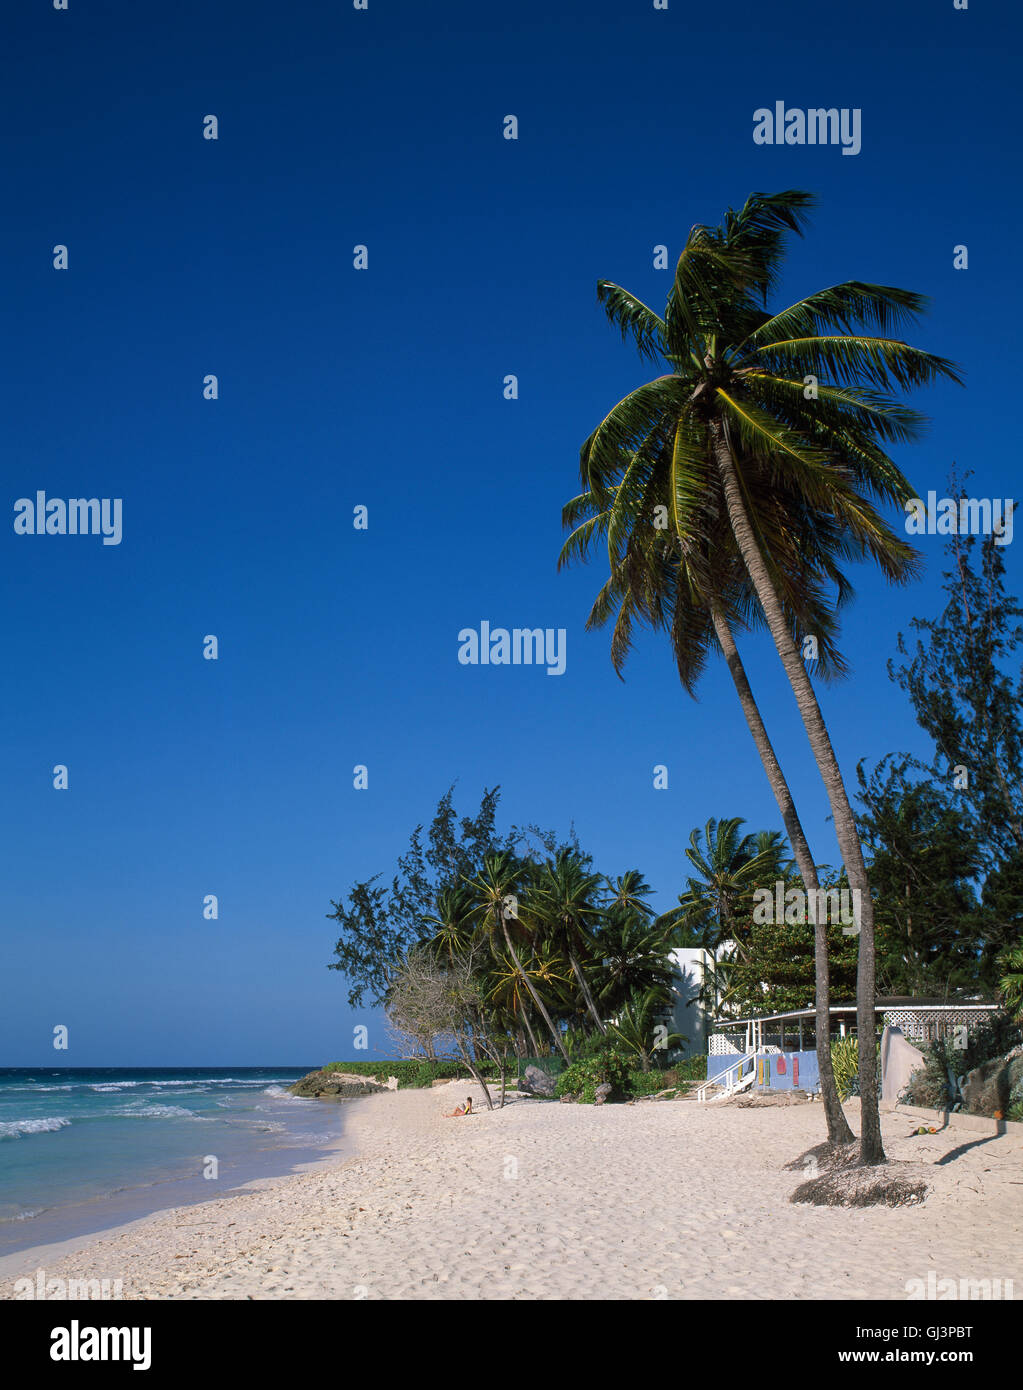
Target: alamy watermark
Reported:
[(796, 906), (78, 516), (964, 516), (78, 1343), (815, 126), (518, 646), (965, 1289), (58, 1290)]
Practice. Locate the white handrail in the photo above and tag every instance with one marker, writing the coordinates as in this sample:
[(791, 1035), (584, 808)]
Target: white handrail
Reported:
[(737, 1067)]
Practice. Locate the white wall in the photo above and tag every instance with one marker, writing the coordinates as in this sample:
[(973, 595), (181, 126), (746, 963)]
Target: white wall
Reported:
[(688, 1016)]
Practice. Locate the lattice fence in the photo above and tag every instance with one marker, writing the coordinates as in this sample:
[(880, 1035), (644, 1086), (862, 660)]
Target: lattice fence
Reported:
[(930, 1024)]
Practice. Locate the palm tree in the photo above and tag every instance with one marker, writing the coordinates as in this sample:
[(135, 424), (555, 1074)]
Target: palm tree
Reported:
[(630, 892), (561, 898), (1010, 962), (798, 398), (637, 1022), (632, 951), (717, 906), (452, 922), (698, 591), (506, 987), (495, 888), (690, 580)]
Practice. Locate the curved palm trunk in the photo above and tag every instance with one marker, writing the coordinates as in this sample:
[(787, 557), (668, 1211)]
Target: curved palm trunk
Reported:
[(541, 1009), (838, 1126), (532, 1035), (871, 1148), (577, 970)]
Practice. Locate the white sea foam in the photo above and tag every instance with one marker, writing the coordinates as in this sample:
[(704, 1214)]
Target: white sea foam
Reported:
[(279, 1093), (155, 1111), (34, 1087), (14, 1129)]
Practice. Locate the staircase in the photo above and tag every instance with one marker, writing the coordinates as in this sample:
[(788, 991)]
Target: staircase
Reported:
[(729, 1082)]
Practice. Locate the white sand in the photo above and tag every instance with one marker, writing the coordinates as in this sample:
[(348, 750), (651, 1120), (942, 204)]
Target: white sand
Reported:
[(542, 1200)]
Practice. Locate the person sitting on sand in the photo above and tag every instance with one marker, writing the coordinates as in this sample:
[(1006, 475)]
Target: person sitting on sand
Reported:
[(465, 1109)]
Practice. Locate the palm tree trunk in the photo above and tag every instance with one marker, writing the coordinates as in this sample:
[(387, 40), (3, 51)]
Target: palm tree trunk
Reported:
[(580, 977), (474, 1069), (871, 1148), (838, 1126), (532, 1035), (541, 1009)]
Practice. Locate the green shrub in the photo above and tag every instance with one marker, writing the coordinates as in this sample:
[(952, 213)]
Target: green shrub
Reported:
[(648, 1083), (692, 1069), (411, 1072), (846, 1064), (935, 1084), (996, 1036), (581, 1045), (611, 1065), (845, 1060)]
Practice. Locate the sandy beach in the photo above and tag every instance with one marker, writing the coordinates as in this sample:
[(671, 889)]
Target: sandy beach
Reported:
[(541, 1200)]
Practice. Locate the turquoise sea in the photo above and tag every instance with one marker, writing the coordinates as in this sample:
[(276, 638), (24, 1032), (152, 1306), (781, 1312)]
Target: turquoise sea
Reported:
[(85, 1149)]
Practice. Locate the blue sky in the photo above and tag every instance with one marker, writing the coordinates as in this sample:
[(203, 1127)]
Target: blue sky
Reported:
[(384, 388)]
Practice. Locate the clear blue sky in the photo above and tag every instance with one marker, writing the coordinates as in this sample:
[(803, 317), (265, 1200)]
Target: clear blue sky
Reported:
[(384, 388)]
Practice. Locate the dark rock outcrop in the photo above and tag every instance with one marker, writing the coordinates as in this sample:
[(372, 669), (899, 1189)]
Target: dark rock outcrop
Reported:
[(536, 1082), (334, 1085), (994, 1087)]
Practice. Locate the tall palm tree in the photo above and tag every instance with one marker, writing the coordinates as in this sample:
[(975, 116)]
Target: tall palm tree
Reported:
[(630, 892), (562, 899), (637, 1024), (661, 581), (798, 396), (633, 955), (717, 905), (690, 580), (506, 987), (452, 922), (497, 882)]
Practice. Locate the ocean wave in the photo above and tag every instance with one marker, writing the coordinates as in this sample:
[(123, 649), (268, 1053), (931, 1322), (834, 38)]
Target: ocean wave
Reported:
[(14, 1129), (224, 1081), (279, 1093), (196, 1083), (156, 1111), (25, 1215), (35, 1087)]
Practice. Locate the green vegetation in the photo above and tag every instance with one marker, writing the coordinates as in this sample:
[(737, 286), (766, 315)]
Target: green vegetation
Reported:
[(725, 501), (733, 487), (413, 1072), (845, 1059), (938, 1084), (610, 1066), (946, 836), (492, 947)]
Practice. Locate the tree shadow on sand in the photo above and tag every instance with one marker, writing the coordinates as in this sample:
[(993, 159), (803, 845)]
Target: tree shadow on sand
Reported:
[(836, 1178)]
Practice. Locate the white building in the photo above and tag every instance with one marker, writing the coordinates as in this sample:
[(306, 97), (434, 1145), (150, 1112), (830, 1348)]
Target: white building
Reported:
[(688, 1016)]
